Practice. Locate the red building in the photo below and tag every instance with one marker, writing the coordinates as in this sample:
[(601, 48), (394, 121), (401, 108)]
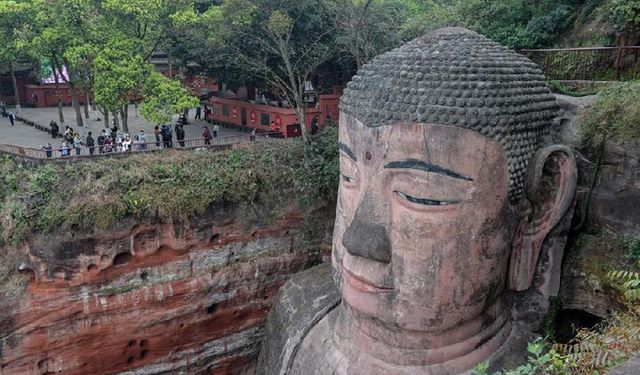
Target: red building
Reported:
[(7, 93), (242, 114)]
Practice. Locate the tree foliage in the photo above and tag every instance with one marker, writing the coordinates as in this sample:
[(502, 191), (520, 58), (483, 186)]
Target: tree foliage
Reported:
[(625, 15), (164, 97)]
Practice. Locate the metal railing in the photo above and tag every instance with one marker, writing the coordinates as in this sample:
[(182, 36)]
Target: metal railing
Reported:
[(588, 63), (134, 147)]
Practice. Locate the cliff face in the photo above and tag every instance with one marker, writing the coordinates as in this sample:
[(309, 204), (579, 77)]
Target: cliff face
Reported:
[(153, 299)]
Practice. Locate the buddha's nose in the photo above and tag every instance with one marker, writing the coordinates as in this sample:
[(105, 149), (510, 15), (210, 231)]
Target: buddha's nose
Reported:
[(366, 238)]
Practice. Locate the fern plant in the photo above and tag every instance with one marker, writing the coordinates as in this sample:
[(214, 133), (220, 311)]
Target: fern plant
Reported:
[(628, 282)]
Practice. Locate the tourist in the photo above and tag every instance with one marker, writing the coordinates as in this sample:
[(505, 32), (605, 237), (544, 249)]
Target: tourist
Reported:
[(206, 112), (12, 118), (108, 144), (167, 136), (180, 134), (252, 135), (156, 132), (67, 135), (3, 109), (77, 143), (54, 129), (48, 149), (216, 129), (91, 143), (137, 146), (118, 142), (206, 134), (273, 126), (142, 140), (114, 131), (198, 114), (314, 125), (65, 149), (126, 143), (101, 140)]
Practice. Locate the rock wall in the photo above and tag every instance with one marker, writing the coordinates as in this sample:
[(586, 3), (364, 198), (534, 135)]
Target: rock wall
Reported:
[(154, 299)]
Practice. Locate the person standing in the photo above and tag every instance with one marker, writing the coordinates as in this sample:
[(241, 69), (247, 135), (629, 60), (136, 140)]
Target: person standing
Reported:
[(198, 115), (54, 129), (91, 143), (77, 143), (206, 134), (167, 136), (314, 125), (12, 118), (101, 140), (216, 129), (65, 149), (142, 140), (180, 134), (156, 132), (126, 143), (48, 149)]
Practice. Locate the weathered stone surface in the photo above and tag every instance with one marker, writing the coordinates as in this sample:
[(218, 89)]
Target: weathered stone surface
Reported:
[(631, 367), (449, 192), (152, 299), (458, 77), (615, 203), (302, 302)]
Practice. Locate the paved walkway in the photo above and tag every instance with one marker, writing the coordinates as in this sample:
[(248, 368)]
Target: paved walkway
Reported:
[(27, 136)]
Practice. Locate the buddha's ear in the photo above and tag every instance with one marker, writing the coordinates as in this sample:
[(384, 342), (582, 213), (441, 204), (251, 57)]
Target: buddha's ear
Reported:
[(550, 187)]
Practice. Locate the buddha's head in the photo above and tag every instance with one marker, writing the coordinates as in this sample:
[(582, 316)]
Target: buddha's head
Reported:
[(447, 188)]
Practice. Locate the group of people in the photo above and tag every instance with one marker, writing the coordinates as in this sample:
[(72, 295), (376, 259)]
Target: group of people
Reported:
[(113, 140), (106, 142)]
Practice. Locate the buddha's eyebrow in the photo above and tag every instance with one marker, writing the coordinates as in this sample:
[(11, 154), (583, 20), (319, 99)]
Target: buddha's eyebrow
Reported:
[(347, 151), (426, 167)]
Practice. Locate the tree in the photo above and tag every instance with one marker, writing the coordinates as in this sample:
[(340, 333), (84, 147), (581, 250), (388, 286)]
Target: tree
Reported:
[(131, 31), (118, 73), (61, 28), (14, 16), (163, 98), (625, 15), (365, 28), (282, 44)]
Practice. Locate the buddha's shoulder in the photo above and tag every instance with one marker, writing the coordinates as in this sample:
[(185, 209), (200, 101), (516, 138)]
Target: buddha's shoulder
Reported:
[(301, 303)]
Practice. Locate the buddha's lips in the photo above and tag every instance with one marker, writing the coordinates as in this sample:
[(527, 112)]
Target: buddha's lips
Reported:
[(363, 285)]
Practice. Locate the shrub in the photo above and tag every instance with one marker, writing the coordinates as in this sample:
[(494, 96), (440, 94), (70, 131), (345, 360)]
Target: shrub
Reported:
[(615, 116)]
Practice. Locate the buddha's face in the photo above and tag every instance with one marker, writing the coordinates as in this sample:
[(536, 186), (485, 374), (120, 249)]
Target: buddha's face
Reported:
[(423, 226)]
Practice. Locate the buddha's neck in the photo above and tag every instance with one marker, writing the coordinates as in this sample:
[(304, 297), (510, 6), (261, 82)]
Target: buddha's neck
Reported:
[(464, 345)]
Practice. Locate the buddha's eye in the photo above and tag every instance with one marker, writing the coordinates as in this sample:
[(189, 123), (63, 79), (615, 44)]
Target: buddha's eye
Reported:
[(425, 201), (348, 171)]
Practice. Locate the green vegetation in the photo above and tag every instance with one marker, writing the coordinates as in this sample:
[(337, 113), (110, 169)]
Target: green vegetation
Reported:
[(625, 15), (630, 245), (615, 116), (98, 194), (560, 88)]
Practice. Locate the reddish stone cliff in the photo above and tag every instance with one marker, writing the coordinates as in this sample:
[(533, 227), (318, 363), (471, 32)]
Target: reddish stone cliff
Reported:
[(153, 299)]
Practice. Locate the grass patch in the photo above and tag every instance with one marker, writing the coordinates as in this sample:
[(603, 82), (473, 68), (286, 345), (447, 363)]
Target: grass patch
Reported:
[(614, 117)]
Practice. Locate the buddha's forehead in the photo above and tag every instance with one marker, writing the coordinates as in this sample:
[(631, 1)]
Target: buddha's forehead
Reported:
[(442, 144)]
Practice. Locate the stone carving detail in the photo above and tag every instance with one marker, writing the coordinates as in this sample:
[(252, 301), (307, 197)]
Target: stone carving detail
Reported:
[(449, 191), (454, 76)]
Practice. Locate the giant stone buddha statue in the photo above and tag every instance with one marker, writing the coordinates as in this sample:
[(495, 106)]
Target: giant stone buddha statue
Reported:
[(448, 191)]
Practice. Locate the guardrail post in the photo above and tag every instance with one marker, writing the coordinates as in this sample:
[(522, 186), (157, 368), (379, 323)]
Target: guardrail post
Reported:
[(617, 67)]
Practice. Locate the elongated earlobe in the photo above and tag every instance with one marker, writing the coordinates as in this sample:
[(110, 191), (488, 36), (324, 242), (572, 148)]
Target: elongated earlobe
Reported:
[(550, 189)]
